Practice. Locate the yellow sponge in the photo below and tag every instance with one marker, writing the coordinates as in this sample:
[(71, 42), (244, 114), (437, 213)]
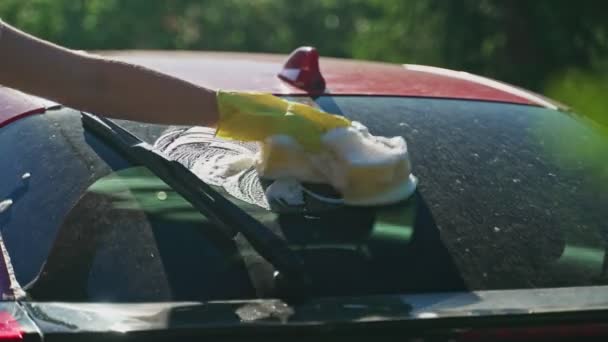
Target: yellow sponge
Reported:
[(366, 170), (302, 143)]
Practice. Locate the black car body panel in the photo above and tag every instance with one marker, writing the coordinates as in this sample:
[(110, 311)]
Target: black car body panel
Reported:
[(440, 315)]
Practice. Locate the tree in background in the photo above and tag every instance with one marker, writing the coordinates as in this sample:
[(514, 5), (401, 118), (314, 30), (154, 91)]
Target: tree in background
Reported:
[(518, 41)]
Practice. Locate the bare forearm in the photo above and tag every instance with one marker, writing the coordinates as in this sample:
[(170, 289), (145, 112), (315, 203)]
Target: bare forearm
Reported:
[(131, 92), (99, 85)]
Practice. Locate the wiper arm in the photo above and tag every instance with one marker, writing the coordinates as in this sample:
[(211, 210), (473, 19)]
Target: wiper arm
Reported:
[(288, 265)]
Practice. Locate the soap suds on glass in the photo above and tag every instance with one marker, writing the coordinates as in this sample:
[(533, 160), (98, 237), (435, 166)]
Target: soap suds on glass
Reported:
[(364, 168), (286, 191), (230, 165), (218, 162)]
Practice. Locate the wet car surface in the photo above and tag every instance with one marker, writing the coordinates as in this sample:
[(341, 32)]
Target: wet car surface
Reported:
[(479, 216), (508, 220)]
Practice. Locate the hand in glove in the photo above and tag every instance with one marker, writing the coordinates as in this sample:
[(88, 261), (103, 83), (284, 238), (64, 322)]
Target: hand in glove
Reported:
[(256, 116)]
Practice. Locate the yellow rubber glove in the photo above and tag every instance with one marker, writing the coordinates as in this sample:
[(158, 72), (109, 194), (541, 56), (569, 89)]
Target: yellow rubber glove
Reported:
[(256, 116)]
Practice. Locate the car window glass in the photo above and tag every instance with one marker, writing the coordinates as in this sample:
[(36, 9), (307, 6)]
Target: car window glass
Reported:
[(372, 250), (132, 238), (87, 225), (510, 196), (47, 163), (518, 192), (515, 193)]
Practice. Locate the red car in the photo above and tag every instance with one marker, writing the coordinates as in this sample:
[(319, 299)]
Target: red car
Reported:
[(108, 231)]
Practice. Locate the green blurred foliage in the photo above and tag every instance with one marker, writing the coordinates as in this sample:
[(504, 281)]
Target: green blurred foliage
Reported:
[(585, 91), (518, 41)]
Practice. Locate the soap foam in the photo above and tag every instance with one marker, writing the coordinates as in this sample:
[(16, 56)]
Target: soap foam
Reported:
[(359, 147), (5, 205), (365, 169), (218, 162), (288, 192)]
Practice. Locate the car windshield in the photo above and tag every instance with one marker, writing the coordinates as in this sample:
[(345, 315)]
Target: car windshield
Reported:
[(510, 196), (517, 192)]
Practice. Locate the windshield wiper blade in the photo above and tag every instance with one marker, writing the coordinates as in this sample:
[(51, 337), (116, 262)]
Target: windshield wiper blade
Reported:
[(288, 266)]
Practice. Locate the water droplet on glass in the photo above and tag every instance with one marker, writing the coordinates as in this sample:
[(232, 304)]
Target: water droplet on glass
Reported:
[(4, 205), (161, 195)]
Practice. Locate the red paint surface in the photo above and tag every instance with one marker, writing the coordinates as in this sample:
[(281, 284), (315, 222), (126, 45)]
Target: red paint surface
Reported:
[(258, 72), (15, 105), (10, 330), (305, 61)]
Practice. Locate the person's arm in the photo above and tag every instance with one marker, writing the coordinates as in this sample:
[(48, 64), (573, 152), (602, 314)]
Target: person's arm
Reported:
[(99, 85)]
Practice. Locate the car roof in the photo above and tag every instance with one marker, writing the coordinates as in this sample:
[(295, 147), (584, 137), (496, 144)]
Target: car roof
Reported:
[(258, 72), (15, 105)]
